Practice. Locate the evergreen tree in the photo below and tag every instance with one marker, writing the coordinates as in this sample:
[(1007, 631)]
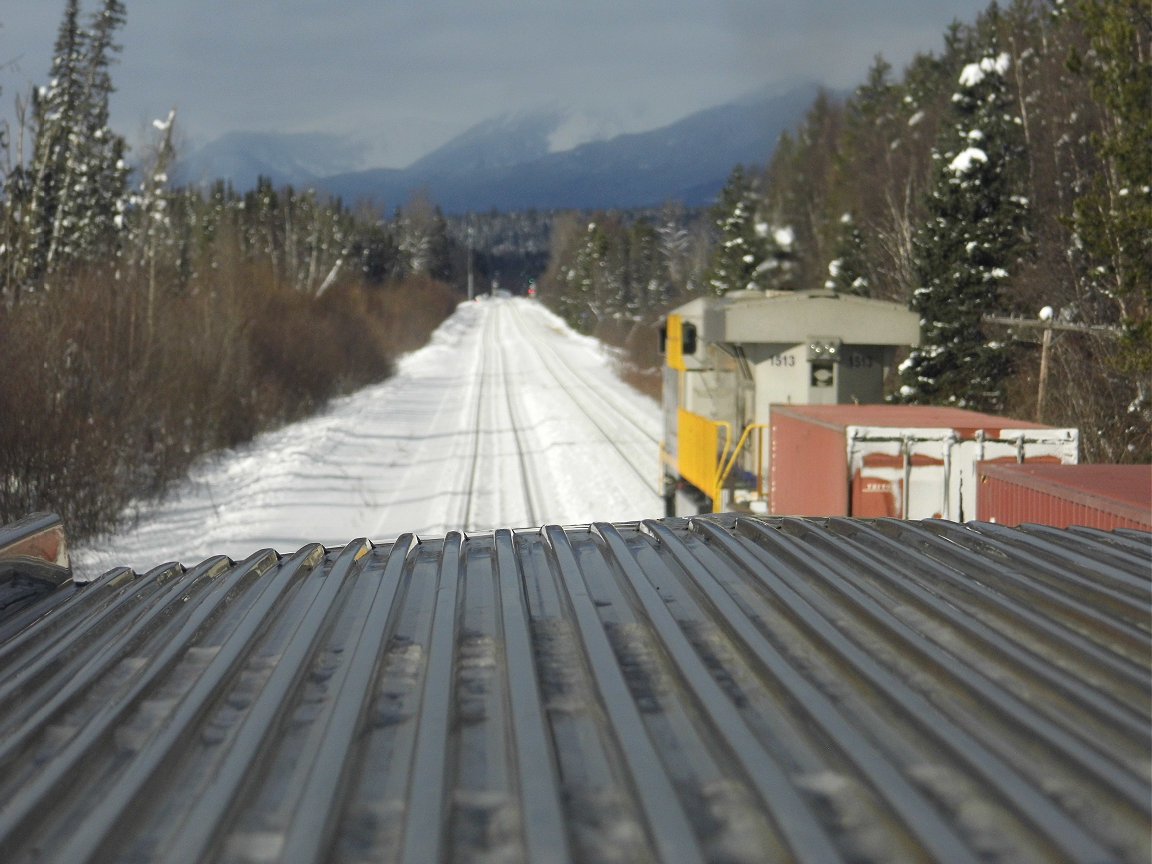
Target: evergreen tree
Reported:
[(101, 170), (647, 271), (423, 237), (73, 199), (586, 279), (888, 132), (375, 247), (742, 244), (802, 194), (966, 249), (1113, 219), (674, 246), (848, 271), (50, 205)]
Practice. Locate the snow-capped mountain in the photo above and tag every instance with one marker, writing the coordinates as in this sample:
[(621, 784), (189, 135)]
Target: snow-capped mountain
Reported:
[(296, 158), (498, 143), (512, 162)]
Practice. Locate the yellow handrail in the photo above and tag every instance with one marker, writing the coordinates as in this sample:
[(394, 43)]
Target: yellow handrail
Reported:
[(707, 464), (727, 463), (727, 427)]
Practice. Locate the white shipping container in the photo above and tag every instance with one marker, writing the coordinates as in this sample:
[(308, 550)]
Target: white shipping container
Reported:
[(903, 461), (931, 473)]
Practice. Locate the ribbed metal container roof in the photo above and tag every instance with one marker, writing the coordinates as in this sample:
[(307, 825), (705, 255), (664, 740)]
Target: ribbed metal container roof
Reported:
[(962, 420), (718, 689)]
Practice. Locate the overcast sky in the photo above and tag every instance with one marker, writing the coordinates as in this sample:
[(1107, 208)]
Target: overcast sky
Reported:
[(409, 74)]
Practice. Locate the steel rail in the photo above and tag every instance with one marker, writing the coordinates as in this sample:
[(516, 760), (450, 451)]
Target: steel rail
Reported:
[(620, 410), (531, 496), (574, 372), (548, 365), (476, 413), (493, 369)]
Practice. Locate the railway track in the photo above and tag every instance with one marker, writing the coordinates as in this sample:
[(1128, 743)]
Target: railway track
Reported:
[(497, 441), (620, 410), (603, 410), (483, 428), (532, 496), (531, 413)]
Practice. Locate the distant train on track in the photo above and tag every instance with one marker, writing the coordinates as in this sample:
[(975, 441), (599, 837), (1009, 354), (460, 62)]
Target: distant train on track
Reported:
[(771, 404)]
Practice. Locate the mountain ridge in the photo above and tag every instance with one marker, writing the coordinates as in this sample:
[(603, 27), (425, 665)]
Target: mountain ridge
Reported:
[(507, 162)]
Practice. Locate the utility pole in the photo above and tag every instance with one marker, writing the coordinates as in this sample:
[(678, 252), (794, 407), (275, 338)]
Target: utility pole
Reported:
[(1045, 350), (1047, 323)]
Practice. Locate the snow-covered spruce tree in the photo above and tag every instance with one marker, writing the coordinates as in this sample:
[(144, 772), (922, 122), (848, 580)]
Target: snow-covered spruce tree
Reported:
[(580, 264), (49, 199), (586, 280), (741, 248), (779, 269), (847, 272), (101, 170), (675, 249), (75, 192), (801, 192), (965, 251), (647, 271)]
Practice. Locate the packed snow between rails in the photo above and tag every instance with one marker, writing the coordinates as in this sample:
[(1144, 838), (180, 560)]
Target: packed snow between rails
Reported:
[(507, 418)]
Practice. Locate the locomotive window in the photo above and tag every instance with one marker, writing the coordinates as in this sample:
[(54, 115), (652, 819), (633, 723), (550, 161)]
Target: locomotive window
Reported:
[(689, 340), (663, 341)]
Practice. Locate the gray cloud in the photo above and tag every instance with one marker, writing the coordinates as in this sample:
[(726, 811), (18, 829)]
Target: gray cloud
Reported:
[(410, 73)]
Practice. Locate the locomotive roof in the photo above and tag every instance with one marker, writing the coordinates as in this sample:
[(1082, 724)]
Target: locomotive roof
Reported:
[(720, 688), (791, 317)]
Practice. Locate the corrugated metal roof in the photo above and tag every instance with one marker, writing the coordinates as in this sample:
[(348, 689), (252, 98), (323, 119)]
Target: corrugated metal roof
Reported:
[(720, 689)]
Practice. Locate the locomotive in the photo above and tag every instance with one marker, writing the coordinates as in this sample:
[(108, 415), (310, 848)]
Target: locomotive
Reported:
[(772, 403)]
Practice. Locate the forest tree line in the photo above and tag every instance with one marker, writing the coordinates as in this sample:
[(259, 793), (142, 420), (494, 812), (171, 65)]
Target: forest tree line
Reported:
[(145, 324), (1007, 176)]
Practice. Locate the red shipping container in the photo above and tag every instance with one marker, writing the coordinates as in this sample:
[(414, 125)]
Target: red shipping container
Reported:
[(906, 461), (1095, 496)]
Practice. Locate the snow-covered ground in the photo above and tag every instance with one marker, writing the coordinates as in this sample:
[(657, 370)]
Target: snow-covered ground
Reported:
[(506, 419)]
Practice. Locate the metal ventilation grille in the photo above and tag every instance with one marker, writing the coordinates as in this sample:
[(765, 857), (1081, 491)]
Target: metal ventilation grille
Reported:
[(714, 690)]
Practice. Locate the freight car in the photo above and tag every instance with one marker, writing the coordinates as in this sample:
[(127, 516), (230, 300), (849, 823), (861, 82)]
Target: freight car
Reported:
[(904, 461), (769, 405), (1094, 496), (728, 359)]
